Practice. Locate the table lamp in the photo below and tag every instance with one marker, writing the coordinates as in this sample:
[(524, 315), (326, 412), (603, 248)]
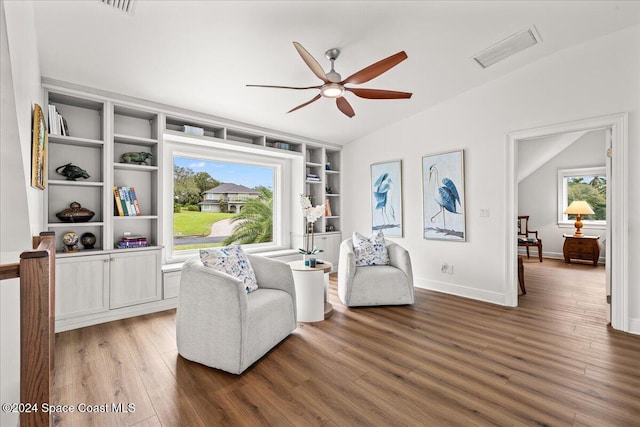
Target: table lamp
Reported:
[(578, 208)]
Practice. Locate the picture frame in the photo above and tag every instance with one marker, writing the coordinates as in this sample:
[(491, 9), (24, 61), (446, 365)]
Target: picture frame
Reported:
[(443, 206), (39, 149), (386, 198)]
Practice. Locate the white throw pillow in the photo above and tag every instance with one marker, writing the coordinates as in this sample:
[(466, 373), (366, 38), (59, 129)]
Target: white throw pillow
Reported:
[(370, 250), (233, 261)]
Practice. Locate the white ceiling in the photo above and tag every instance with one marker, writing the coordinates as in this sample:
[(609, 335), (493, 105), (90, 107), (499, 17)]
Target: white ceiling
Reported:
[(200, 55)]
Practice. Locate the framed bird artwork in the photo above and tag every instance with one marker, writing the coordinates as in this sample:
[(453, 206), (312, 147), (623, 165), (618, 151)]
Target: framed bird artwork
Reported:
[(386, 198), (443, 209)]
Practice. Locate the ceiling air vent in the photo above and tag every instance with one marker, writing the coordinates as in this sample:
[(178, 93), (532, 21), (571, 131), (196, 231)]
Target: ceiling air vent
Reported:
[(124, 5), (507, 47)]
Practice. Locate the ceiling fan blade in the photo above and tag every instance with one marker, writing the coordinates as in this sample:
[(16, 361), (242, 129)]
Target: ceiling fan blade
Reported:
[(344, 106), (374, 70), (315, 98), (286, 87), (378, 93), (311, 62)]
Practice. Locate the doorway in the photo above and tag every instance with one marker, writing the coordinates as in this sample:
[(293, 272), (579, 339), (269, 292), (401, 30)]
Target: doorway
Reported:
[(616, 236)]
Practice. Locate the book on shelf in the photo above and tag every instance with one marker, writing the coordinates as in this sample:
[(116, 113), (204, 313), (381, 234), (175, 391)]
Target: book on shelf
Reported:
[(118, 202), (53, 120), (134, 201), (126, 201), (313, 177), (123, 201), (327, 207), (57, 123), (132, 242)]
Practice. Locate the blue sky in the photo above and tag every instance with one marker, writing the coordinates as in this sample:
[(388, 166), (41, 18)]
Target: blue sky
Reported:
[(247, 175)]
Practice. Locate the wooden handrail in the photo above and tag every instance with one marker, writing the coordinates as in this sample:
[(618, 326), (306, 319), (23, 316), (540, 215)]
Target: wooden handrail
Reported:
[(37, 321), (10, 271)]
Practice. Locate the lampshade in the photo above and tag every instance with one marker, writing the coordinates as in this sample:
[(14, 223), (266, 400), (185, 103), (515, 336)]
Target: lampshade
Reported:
[(579, 207)]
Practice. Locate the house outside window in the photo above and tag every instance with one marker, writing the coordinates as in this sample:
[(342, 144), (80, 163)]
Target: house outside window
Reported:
[(227, 198), (588, 184)]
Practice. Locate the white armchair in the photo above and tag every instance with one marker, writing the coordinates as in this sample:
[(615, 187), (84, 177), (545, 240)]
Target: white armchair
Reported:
[(222, 326), (376, 284)]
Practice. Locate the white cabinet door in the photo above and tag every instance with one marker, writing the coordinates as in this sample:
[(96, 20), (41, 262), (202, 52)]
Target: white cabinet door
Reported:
[(135, 278), (330, 244), (82, 286)]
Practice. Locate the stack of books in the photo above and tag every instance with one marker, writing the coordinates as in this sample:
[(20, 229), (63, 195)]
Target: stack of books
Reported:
[(57, 123), (280, 145), (312, 177), (126, 202), (132, 242)]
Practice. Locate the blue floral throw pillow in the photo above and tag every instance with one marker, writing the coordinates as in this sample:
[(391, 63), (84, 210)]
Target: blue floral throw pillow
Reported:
[(370, 250), (233, 261)]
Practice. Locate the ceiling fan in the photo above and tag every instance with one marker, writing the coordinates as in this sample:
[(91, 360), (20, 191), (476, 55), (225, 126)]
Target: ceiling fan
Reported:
[(334, 87)]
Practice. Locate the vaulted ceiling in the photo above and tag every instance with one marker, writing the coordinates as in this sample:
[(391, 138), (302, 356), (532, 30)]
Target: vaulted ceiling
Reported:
[(200, 55)]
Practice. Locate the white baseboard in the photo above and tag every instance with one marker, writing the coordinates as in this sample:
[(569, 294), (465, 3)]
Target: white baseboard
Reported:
[(116, 314), (551, 255), (634, 326), (462, 291)]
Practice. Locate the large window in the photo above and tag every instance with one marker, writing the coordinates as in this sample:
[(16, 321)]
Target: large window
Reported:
[(219, 203), (220, 197), (588, 184)]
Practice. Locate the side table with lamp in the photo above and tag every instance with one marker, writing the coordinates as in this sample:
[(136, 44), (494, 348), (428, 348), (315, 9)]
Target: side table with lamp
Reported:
[(578, 245)]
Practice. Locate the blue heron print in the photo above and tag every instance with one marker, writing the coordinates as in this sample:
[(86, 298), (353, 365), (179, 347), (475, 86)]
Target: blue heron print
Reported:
[(446, 195), (386, 198), (443, 196), (382, 187)]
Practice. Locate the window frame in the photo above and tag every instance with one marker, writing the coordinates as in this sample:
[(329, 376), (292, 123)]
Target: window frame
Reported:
[(185, 146), (563, 194)]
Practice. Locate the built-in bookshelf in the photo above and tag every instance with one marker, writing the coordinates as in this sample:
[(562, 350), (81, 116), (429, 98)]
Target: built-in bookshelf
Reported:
[(208, 131), (83, 148), (106, 145), (332, 190), (136, 156), (322, 185)]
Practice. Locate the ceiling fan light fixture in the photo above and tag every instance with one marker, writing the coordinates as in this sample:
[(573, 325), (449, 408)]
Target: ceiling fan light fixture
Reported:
[(332, 90)]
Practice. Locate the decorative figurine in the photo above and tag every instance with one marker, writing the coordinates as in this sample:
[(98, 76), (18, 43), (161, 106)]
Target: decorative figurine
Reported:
[(71, 172), (140, 158), (75, 213), (70, 241), (88, 240)]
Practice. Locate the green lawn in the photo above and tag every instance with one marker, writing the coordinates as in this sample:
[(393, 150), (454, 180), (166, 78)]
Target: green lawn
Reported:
[(188, 223)]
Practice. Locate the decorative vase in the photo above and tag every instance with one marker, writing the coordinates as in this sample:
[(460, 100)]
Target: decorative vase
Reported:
[(88, 240), (75, 213)]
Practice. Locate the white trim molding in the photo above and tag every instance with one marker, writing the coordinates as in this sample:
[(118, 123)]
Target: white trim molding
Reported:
[(618, 186)]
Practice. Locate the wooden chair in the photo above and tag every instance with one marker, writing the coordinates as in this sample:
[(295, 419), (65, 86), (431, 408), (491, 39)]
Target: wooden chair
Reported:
[(524, 236), (521, 276)]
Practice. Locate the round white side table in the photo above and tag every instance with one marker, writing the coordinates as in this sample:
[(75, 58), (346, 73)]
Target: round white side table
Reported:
[(312, 285)]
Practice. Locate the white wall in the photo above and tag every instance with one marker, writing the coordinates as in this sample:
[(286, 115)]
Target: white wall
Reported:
[(538, 193), (593, 79), (25, 70), (20, 203)]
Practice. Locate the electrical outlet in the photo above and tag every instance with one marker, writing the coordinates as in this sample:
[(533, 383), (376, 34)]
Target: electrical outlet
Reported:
[(485, 213), (450, 270), (444, 267)]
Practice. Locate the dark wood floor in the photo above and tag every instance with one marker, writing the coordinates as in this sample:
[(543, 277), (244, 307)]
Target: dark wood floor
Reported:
[(443, 361)]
